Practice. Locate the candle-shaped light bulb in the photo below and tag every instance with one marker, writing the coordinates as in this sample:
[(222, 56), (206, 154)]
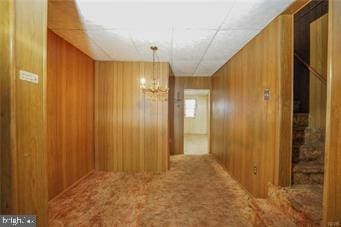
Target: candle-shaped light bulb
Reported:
[(142, 82)]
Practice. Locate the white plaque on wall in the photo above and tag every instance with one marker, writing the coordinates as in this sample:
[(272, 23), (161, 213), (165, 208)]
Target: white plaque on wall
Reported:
[(30, 77)]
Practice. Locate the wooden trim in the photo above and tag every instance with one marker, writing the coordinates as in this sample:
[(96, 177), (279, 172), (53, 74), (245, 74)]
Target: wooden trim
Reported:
[(332, 177), (71, 186), (8, 168), (286, 81), (295, 7)]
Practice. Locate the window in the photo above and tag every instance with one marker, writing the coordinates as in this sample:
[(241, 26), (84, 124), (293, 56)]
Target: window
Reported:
[(190, 108)]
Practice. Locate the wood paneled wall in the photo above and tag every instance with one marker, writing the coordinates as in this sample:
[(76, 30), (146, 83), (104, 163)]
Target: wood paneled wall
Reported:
[(24, 109), (182, 83), (332, 178), (250, 136), (7, 74), (318, 61), (70, 83), (30, 109), (131, 131)]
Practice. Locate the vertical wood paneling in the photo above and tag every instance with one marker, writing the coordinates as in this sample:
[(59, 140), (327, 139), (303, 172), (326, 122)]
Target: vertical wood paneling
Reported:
[(217, 119), (131, 131), (251, 137), (23, 115), (7, 137), (30, 109), (318, 61), (70, 82), (332, 178), (182, 83), (285, 81)]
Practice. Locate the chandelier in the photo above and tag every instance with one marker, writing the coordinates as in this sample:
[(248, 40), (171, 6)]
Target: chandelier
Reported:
[(154, 91)]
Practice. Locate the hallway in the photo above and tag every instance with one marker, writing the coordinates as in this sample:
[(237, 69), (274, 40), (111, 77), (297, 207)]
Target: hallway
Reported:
[(196, 191), (196, 144)]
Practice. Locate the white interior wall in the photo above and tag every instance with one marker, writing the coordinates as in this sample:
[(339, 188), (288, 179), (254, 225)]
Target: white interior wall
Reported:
[(199, 124)]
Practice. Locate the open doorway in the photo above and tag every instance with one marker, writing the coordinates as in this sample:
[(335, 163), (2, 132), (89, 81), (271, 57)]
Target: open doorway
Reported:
[(196, 121), (305, 195), (311, 39)]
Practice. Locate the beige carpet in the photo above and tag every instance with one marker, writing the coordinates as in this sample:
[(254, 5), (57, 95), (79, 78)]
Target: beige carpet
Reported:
[(196, 191)]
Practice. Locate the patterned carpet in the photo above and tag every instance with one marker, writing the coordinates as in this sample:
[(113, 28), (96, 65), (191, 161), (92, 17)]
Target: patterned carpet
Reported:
[(196, 191)]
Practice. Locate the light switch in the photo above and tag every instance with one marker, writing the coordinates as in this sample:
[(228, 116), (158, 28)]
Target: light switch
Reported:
[(267, 94)]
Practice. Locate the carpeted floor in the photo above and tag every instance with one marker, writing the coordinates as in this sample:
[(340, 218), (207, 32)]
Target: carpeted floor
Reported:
[(196, 191)]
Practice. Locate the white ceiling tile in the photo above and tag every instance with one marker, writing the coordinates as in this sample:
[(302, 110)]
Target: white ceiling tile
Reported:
[(162, 38), (254, 14), (190, 44), (184, 67), (117, 43), (200, 15), (125, 15), (186, 33), (266, 12), (83, 42), (227, 42), (240, 13), (208, 67), (137, 14)]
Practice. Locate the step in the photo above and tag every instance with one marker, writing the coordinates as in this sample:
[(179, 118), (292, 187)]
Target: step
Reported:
[(265, 214), (312, 152), (302, 203), (313, 135), (308, 173), (298, 136), (308, 178), (308, 167), (300, 119)]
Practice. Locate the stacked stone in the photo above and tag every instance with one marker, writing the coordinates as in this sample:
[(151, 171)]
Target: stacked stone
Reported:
[(300, 123), (310, 166), (299, 205)]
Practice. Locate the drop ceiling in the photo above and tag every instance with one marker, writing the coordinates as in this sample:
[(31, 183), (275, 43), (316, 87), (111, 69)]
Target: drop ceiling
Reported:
[(195, 37)]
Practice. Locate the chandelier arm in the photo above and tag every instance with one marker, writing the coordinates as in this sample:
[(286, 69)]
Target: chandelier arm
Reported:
[(154, 64), (158, 68)]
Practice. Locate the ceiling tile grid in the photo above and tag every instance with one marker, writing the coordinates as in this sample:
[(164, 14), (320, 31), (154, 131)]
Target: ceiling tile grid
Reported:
[(196, 37)]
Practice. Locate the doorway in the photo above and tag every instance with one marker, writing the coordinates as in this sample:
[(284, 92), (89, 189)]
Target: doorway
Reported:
[(309, 112), (196, 121), (310, 83)]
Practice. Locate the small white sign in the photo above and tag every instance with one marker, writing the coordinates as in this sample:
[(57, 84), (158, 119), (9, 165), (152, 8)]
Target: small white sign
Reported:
[(30, 77)]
